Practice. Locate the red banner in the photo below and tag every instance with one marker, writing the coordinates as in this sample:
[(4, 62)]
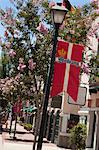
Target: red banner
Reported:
[(67, 69), (17, 107)]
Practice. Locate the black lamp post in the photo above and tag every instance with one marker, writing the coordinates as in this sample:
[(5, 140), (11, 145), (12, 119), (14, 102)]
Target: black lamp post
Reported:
[(58, 15), (97, 36)]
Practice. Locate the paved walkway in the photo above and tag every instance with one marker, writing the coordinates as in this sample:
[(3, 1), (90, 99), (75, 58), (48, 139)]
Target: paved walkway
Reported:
[(23, 141), (19, 146), (19, 128), (22, 135), (6, 145)]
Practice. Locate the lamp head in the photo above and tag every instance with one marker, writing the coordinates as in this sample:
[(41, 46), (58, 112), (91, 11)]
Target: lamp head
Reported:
[(58, 14)]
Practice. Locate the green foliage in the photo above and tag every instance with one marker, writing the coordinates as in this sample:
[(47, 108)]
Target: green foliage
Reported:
[(28, 43), (94, 65), (78, 136), (78, 23), (27, 126), (3, 102)]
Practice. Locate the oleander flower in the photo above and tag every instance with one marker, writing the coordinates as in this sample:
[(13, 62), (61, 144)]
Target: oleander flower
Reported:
[(6, 34), (8, 45), (51, 4), (12, 1), (9, 11), (21, 67), (31, 64), (17, 77), (62, 26), (42, 28), (5, 16), (12, 53), (21, 60), (85, 68)]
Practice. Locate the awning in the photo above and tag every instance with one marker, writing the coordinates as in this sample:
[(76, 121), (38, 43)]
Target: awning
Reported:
[(30, 109)]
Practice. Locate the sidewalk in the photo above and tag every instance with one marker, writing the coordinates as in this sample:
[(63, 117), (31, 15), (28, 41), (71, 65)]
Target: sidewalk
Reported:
[(19, 146), (22, 141), (6, 145), (22, 135), (19, 128)]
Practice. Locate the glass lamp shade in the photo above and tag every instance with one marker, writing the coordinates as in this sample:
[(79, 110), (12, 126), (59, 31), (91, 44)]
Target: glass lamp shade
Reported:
[(58, 14)]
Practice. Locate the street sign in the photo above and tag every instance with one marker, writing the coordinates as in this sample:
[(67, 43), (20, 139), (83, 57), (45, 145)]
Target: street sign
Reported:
[(81, 99)]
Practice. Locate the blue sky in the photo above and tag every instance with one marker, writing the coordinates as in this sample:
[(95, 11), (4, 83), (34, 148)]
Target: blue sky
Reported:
[(76, 2), (6, 3)]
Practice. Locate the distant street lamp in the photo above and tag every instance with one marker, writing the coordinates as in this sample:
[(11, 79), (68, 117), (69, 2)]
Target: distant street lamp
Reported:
[(58, 15)]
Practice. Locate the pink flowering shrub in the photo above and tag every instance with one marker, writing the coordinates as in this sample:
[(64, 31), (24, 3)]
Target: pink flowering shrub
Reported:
[(8, 45), (21, 60), (31, 64), (12, 53), (51, 4), (42, 28), (21, 65), (85, 68)]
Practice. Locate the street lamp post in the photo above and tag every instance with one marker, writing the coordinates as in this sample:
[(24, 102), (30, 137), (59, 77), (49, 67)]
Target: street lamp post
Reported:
[(58, 14), (97, 36)]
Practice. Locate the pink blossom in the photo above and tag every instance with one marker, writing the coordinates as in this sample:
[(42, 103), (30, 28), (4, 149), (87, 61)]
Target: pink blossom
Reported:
[(9, 11), (85, 68), (12, 1), (62, 26), (6, 34), (16, 32), (42, 28), (72, 31), (31, 64), (68, 38), (1, 17), (21, 60), (21, 64), (51, 4), (14, 21), (5, 16), (96, 11), (12, 53), (9, 22), (8, 45), (21, 67), (79, 6), (94, 1), (87, 57), (17, 77)]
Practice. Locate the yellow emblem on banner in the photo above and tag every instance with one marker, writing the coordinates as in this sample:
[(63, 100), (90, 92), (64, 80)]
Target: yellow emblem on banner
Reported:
[(62, 53)]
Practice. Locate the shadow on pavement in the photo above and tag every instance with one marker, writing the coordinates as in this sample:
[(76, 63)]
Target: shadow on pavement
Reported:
[(24, 140), (18, 132)]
